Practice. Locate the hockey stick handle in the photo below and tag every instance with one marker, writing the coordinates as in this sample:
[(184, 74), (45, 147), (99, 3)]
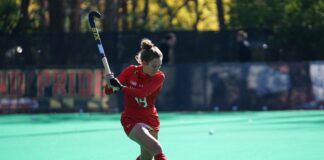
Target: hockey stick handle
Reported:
[(91, 16)]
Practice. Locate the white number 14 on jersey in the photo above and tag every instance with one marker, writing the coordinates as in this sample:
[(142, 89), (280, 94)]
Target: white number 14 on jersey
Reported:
[(141, 101)]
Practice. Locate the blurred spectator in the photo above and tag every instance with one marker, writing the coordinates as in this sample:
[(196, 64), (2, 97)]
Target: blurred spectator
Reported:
[(244, 54), (244, 51), (167, 47), (219, 92)]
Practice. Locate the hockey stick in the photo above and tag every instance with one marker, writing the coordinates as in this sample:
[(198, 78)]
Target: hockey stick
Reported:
[(96, 35), (102, 54)]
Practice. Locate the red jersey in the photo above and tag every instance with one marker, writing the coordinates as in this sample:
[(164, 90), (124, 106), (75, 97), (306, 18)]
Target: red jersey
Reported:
[(141, 91)]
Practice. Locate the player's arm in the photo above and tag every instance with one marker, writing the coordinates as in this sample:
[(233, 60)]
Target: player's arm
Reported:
[(147, 90)]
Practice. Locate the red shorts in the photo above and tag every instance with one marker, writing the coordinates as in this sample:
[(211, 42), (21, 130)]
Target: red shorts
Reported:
[(129, 122)]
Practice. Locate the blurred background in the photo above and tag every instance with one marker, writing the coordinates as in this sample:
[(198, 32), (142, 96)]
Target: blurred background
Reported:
[(219, 55)]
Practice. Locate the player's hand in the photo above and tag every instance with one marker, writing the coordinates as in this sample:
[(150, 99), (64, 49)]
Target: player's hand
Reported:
[(109, 76), (114, 82)]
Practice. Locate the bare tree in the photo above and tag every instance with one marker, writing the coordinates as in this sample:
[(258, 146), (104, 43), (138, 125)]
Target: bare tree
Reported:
[(43, 11), (124, 15), (220, 15), (110, 22), (75, 16), (198, 15), (139, 21), (56, 10), (23, 21), (172, 13), (133, 14), (145, 14)]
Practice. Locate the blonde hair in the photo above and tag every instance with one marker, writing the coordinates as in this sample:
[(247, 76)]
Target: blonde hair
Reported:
[(148, 52)]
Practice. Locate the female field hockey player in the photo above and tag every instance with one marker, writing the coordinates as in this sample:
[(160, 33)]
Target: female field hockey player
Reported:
[(141, 85)]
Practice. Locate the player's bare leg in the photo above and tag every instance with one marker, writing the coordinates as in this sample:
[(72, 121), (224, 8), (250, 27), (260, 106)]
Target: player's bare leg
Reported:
[(145, 154), (141, 134)]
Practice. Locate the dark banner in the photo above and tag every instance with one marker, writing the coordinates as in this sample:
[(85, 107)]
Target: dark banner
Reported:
[(248, 86), (53, 89), (187, 87)]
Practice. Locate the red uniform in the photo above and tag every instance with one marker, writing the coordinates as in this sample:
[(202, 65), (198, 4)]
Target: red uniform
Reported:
[(141, 91)]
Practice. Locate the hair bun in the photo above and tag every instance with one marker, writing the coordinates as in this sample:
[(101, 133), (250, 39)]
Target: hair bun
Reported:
[(146, 44)]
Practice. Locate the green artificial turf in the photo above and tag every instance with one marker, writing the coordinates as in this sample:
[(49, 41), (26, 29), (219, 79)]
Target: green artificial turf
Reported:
[(280, 135)]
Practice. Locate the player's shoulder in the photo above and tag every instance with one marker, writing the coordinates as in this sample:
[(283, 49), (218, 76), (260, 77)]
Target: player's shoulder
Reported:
[(135, 67), (132, 69)]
